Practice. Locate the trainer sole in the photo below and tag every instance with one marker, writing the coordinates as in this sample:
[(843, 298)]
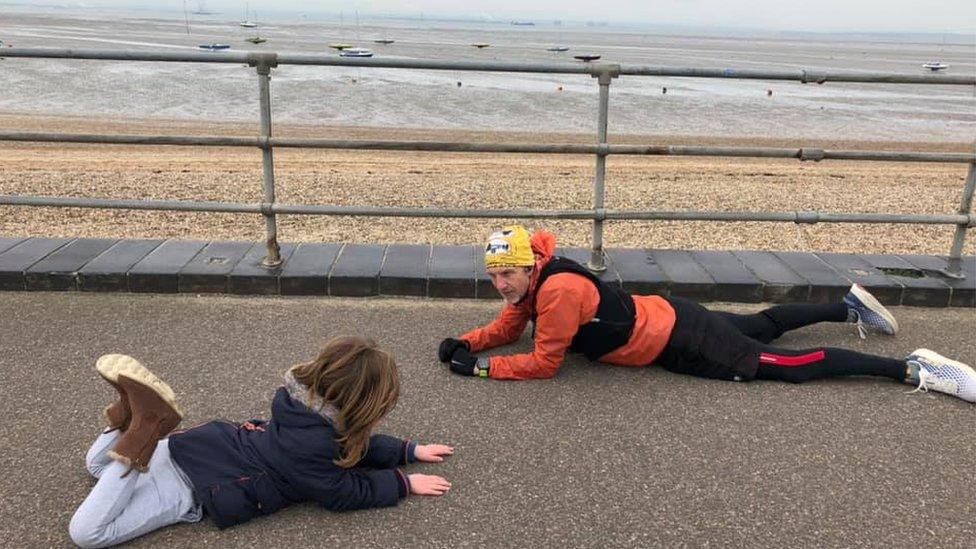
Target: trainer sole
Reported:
[(875, 305), (112, 366)]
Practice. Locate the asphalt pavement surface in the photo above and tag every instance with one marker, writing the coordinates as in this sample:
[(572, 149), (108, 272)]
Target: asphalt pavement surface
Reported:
[(599, 456)]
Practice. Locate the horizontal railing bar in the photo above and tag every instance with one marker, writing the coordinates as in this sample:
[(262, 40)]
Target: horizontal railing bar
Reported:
[(435, 64), (449, 146), (794, 217), (119, 139), (301, 209), (130, 204), (802, 153), (100, 54), (800, 75), (899, 156)]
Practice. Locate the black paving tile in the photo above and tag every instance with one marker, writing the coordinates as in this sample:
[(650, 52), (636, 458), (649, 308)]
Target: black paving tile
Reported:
[(638, 272), (963, 290), (583, 256), (7, 242), (452, 271), (209, 270), (733, 282), (861, 272), (780, 283), (307, 270), (159, 272), (15, 261), (405, 270), (250, 277), (108, 271), (483, 287), (920, 289), (58, 270), (356, 271), (686, 278), (826, 284)]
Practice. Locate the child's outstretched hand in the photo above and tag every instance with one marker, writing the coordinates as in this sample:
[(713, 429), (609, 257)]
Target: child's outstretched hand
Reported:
[(432, 453), (428, 485)]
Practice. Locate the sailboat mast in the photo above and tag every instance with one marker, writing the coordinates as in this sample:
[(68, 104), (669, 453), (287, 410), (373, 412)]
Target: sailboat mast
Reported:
[(186, 17)]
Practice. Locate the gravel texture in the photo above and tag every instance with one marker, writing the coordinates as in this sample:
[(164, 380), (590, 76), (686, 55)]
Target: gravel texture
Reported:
[(466, 180)]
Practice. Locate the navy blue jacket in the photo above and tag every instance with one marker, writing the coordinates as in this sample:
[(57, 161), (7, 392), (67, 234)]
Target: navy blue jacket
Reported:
[(238, 474)]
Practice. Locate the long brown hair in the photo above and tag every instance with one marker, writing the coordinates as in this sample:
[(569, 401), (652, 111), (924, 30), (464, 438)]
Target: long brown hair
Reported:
[(360, 380)]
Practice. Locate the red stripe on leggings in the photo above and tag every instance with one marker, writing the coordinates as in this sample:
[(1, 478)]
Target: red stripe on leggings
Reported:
[(791, 361)]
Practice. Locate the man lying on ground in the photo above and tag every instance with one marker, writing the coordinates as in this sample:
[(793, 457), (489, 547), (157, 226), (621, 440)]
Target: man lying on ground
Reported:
[(573, 310)]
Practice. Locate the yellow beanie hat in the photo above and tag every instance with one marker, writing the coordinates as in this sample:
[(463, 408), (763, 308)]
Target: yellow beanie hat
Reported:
[(509, 247)]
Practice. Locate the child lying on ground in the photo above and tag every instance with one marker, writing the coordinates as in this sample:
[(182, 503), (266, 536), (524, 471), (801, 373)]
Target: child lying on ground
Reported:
[(318, 446)]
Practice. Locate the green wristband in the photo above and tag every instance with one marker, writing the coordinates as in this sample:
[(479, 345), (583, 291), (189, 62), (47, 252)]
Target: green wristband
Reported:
[(483, 366)]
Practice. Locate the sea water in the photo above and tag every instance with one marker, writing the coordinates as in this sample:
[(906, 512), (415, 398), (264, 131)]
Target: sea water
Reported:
[(487, 100)]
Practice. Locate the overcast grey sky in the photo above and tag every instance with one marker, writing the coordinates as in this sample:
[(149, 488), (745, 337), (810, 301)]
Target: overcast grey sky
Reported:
[(814, 15)]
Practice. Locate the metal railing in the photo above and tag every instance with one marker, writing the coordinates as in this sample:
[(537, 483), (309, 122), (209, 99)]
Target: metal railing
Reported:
[(604, 73)]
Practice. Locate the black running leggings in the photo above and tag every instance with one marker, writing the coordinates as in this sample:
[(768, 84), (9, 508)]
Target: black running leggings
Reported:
[(797, 366)]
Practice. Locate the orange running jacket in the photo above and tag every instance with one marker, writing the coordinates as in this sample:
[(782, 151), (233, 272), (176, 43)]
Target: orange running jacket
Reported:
[(564, 303)]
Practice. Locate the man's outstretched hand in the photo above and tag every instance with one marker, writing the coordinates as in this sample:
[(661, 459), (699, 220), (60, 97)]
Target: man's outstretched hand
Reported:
[(457, 354), (464, 363), (447, 348)]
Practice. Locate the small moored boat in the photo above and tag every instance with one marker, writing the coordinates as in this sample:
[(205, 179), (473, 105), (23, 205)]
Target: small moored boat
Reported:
[(356, 52), (586, 57), (214, 46), (935, 66), (557, 48)]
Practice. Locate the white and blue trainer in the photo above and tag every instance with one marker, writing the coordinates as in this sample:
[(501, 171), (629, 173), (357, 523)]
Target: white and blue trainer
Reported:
[(938, 373), (868, 312)]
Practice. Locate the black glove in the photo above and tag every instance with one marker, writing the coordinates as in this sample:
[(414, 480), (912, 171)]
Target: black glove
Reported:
[(463, 362), (448, 347)]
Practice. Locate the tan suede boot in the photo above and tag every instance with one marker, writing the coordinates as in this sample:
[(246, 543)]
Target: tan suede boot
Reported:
[(118, 414), (154, 414)]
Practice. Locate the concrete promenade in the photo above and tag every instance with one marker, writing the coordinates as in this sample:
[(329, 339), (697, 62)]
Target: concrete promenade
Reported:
[(600, 456)]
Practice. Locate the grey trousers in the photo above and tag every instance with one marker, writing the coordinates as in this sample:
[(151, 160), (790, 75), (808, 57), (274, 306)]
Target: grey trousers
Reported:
[(121, 508)]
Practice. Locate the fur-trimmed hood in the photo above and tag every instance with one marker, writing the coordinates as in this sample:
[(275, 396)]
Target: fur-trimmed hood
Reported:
[(300, 394)]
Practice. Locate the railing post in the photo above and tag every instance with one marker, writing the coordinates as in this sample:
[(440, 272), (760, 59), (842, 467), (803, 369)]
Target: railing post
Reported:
[(264, 62), (954, 270), (604, 73)]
